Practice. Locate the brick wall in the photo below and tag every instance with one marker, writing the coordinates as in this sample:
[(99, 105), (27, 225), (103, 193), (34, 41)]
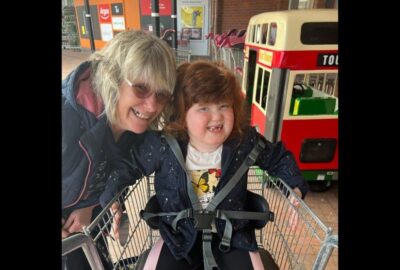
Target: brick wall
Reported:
[(237, 13)]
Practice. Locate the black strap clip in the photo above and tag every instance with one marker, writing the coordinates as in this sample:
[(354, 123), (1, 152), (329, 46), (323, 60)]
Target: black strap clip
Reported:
[(203, 219)]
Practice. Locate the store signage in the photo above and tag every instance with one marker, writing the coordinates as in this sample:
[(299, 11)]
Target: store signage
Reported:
[(104, 14), (163, 5)]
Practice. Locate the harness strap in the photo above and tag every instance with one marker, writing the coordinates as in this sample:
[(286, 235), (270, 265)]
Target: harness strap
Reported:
[(217, 199), (247, 215), (208, 257), (147, 215), (178, 154), (250, 160), (187, 213), (225, 244)]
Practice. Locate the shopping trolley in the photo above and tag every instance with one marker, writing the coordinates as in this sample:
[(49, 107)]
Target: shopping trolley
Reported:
[(182, 56), (183, 52), (296, 239)]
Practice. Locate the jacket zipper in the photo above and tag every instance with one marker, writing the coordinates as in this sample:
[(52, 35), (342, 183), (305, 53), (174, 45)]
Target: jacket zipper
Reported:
[(86, 178)]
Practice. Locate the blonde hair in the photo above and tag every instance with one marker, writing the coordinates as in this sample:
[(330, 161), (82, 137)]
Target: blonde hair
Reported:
[(136, 56)]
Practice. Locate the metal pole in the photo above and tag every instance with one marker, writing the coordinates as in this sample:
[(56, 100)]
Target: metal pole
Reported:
[(174, 25), (156, 17), (88, 19)]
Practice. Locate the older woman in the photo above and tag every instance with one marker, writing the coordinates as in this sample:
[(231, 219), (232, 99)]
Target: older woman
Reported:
[(123, 87)]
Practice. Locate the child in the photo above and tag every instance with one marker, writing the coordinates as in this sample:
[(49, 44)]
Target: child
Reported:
[(214, 137)]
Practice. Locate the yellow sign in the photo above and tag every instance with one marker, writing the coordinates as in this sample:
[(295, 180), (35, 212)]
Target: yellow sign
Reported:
[(192, 16), (265, 57)]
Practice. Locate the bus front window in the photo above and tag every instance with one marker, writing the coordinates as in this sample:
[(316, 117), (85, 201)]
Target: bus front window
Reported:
[(314, 94)]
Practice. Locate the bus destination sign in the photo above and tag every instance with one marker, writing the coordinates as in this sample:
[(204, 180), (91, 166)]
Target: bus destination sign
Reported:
[(328, 60)]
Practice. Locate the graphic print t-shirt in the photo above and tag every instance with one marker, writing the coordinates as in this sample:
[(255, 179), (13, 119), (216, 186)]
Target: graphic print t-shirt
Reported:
[(205, 169)]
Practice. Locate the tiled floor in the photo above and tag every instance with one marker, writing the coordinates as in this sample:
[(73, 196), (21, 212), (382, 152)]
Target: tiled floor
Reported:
[(323, 204), (71, 58)]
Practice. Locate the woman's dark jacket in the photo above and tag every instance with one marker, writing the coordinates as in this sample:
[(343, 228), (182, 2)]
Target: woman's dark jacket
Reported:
[(91, 160), (154, 154)]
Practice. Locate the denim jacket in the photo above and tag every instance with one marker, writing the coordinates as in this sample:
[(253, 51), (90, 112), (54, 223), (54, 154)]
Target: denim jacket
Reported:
[(154, 154)]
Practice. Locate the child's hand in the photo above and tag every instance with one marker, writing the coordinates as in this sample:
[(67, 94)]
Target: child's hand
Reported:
[(116, 209), (294, 216)]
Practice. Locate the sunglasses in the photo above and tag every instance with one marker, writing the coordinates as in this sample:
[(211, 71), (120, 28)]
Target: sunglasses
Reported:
[(142, 92)]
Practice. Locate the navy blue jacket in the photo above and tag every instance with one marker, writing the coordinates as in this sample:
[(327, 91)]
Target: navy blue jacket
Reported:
[(154, 154), (91, 160)]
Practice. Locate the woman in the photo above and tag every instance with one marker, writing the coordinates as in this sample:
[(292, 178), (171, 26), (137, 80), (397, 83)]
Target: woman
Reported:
[(123, 87)]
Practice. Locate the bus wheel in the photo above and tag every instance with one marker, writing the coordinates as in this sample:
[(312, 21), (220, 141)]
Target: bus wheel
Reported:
[(320, 186)]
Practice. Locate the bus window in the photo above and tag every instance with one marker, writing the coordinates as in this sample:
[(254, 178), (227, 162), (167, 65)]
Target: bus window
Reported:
[(249, 37), (253, 33), (320, 81), (265, 89), (319, 33), (299, 78), (258, 33), (314, 94), (259, 85), (264, 31), (330, 85), (272, 34), (311, 80)]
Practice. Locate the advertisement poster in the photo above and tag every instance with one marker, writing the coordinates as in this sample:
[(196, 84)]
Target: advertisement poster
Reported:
[(193, 25), (104, 14), (118, 23), (117, 9), (192, 16), (106, 31), (164, 7), (192, 22)]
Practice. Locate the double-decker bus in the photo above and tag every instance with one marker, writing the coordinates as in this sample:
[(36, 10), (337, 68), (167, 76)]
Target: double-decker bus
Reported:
[(290, 79)]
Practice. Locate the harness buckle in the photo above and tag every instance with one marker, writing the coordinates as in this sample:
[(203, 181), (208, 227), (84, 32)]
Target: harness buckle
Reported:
[(203, 219), (224, 246)]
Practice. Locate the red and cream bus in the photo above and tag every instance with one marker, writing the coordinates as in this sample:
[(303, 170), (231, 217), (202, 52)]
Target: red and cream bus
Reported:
[(290, 79)]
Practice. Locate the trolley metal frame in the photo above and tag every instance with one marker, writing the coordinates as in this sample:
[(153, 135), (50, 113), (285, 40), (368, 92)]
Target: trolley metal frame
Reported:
[(182, 56), (297, 239)]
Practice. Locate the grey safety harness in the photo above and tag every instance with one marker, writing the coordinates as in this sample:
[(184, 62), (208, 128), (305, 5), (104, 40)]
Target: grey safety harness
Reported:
[(203, 218)]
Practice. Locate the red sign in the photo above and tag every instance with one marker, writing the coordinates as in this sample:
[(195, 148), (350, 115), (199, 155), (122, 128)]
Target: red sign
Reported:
[(104, 14), (164, 7)]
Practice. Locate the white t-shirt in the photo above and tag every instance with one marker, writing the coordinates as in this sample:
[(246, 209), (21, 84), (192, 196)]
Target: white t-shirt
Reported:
[(205, 169)]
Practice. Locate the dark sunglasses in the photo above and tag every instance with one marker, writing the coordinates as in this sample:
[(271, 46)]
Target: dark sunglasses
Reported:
[(142, 92)]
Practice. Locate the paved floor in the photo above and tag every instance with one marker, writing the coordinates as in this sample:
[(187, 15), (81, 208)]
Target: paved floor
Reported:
[(72, 58), (323, 204)]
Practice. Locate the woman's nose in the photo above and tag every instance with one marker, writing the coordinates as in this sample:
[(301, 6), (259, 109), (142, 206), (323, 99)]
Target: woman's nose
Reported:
[(151, 103)]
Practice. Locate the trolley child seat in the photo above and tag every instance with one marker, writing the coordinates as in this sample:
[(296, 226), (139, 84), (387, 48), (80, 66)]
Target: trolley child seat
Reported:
[(257, 208)]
